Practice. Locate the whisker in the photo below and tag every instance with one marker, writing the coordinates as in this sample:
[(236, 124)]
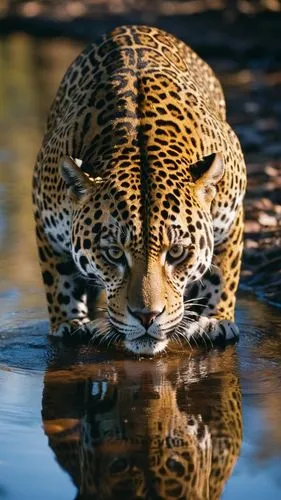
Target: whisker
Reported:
[(181, 332), (204, 336), (102, 336), (78, 328), (191, 300), (187, 306), (178, 336), (186, 323), (183, 326), (113, 337), (215, 267)]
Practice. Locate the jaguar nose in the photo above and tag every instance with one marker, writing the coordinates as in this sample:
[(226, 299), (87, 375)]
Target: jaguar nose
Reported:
[(146, 317)]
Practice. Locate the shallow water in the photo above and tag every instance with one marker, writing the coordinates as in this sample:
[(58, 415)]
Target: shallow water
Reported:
[(72, 417), (76, 419)]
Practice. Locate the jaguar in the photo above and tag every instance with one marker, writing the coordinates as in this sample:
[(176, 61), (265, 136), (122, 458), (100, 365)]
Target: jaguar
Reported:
[(138, 193)]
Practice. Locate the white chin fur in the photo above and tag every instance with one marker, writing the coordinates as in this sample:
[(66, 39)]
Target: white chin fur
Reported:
[(148, 346)]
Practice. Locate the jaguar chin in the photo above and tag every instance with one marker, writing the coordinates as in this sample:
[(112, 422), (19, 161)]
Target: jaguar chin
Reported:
[(146, 345)]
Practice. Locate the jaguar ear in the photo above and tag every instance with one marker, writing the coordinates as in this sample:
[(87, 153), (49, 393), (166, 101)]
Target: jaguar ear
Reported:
[(206, 174), (77, 182)]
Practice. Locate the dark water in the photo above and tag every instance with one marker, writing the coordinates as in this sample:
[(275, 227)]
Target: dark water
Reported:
[(189, 425)]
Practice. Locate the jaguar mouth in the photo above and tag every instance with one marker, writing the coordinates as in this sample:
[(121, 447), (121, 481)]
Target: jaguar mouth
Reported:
[(106, 332), (146, 345)]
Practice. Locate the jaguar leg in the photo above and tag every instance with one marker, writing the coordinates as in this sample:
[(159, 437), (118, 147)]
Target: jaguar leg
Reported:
[(214, 296), (66, 292)]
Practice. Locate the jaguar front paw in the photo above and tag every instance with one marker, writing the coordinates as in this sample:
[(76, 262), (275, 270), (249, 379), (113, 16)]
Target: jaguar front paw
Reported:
[(72, 328), (219, 332)]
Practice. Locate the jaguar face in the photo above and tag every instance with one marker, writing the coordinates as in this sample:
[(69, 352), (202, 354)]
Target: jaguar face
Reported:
[(144, 248)]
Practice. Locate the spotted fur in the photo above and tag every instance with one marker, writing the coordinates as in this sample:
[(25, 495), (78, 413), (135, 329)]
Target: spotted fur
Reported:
[(138, 188)]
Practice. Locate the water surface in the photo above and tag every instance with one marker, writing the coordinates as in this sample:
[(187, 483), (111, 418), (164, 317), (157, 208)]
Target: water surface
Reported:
[(73, 418)]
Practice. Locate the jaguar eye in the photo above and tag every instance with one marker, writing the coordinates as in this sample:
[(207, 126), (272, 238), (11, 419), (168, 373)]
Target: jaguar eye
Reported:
[(176, 253), (115, 253)]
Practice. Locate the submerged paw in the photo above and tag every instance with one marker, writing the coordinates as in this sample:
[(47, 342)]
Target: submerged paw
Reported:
[(219, 332), (74, 327), (222, 331)]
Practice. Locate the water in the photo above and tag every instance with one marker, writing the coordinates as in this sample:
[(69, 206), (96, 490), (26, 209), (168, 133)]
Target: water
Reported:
[(75, 416), (76, 419)]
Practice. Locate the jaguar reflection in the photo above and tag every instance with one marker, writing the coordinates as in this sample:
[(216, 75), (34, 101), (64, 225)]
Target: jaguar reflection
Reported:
[(146, 430)]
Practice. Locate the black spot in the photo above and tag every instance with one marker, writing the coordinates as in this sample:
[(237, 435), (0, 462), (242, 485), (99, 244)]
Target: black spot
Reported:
[(234, 263), (87, 244), (201, 268), (121, 205), (96, 228), (77, 245), (83, 261), (63, 299), (49, 298), (214, 279), (98, 214), (175, 466), (78, 292), (190, 467), (232, 285), (123, 176), (202, 242), (194, 292), (48, 278), (42, 255)]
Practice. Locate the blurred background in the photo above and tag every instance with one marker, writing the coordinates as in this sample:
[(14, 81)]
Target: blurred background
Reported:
[(240, 39)]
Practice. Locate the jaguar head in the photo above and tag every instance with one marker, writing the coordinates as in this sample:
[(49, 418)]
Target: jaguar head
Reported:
[(146, 237)]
